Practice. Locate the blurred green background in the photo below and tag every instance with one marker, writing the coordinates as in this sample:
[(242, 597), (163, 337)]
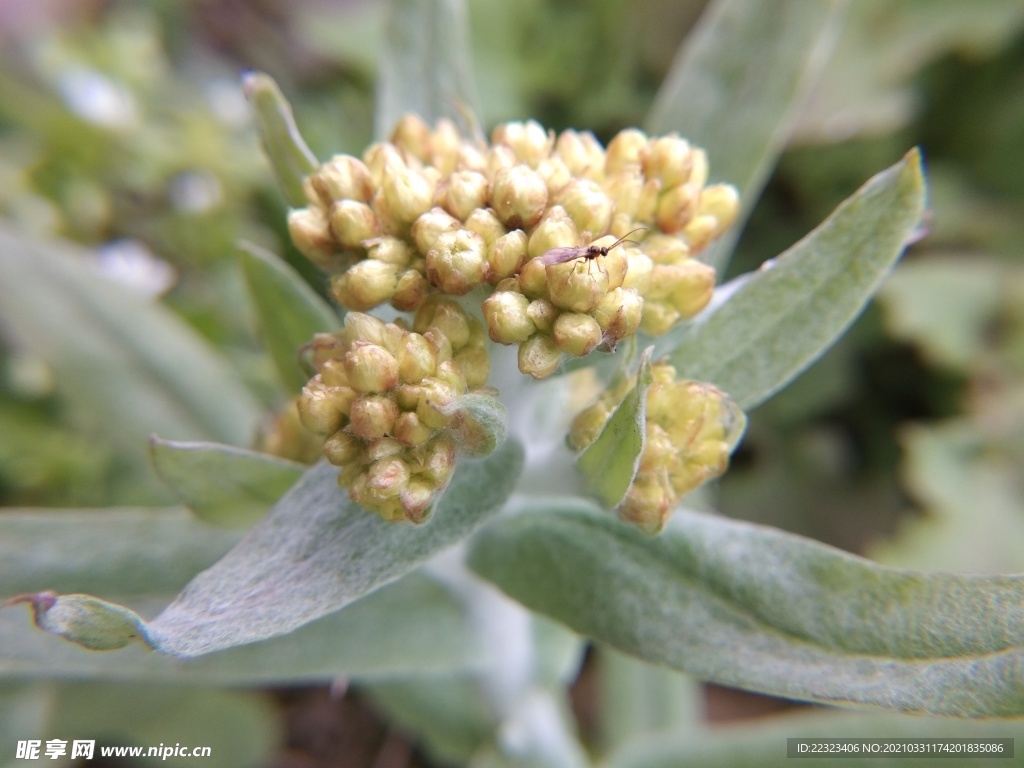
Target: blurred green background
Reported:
[(123, 129)]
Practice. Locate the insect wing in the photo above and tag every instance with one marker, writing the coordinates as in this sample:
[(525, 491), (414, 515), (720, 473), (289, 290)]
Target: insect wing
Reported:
[(560, 255)]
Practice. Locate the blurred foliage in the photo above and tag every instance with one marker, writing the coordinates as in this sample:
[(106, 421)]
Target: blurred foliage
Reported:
[(122, 128)]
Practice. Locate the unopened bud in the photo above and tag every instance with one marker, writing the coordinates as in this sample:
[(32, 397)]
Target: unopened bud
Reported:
[(576, 334), (370, 368), (475, 363), (456, 262), (412, 135), (373, 416), (342, 178), (366, 284), (543, 314), (417, 359), (506, 314), (556, 230), (428, 227), (341, 448), (676, 207), (669, 159), (528, 140), (507, 255), (411, 290), (409, 430), (317, 411), (587, 205), (486, 224), (538, 356), (408, 193), (445, 147), (721, 201), (462, 192), (445, 316), (310, 231), (582, 153), (629, 147), (519, 196), (352, 222)]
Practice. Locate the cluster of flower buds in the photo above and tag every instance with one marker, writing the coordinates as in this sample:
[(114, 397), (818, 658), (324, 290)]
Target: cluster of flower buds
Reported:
[(691, 429), (533, 215), (383, 397)]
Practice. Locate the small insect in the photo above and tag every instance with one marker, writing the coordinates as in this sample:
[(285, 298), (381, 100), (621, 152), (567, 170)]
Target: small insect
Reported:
[(588, 252)]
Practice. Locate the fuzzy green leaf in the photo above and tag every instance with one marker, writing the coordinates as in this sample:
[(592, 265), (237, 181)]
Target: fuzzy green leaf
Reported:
[(289, 312), (609, 464), (737, 86), (92, 623), (479, 423), (119, 359), (782, 318), (316, 552), (223, 485), (757, 608), (425, 64), (291, 159)]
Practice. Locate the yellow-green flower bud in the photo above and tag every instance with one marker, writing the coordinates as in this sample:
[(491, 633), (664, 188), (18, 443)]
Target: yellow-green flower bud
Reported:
[(629, 147), (436, 460), (386, 478), (462, 193), (499, 158), (416, 499), (519, 196), (647, 505), (676, 207), (434, 394), (700, 231), (470, 158), (428, 227), (647, 205), (445, 147), (666, 249), (555, 230), (528, 140), (507, 255), (456, 262), (699, 172), (451, 374), (619, 314), (555, 172), (372, 416), (390, 250), (447, 317), (624, 190), (333, 373), (341, 448), (486, 224), (409, 430), (318, 411), (407, 193), (582, 153), (353, 222), (360, 326), (410, 292), (587, 425), (412, 135), (538, 356), (533, 279), (576, 286), (379, 156), (576, 334), (638, 270), (669, 159), (543, 314), (366, 284), (342, 178), (694, 287), (507, 317), (417, 359), (721, 201), (370, 368), (310, 230), (475, 363), (587, 205), (658, 317), (383, 448)]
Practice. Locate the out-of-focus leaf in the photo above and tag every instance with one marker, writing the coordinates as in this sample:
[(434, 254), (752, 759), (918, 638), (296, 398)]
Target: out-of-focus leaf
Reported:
[(425, 65), (609, 464), (288, 310), (119, 360), (290, 157), (760, 609), (753, 745), (223, 485), (786, 315), (736, 87)]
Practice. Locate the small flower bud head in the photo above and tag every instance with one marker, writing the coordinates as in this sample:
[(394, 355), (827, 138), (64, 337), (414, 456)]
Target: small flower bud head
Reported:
[(442, 344), (700, 232), (317, 411), (669, 159), (456, 262), (538, 356), (451, 374), (694, 289), (576, 334), (555, 230), (528, 140), (533, 279), (555, 172), (647, 505), (428, 227), (383, 448), (333, 373), (470, 158), (387, 477), (657, 318), (447, 317), (370, 368), (341, 448), (360, 326), (519, 196), (417, 359), (310, 230), (365, 285), (437, 460), (629, 147), (615, 263), (721, 201), (638, 270), (676, 207), (647, 205), (352, 222), (659, 450), (666, 249), (445, 146), (416, 498), (475, 363), (412, 135), (409, 430), (390, 250), (543, 314), (342, 397), (379, 156), (407, 396), (408, 193), (486, 224), (462, 193), (576, 286), (500, 157), (619, 314), (699, 172), (587, 205), (507, 317), (342, 178), (624, 189), (588, 424), (411, 290), (352, 474), (434, 394), (507, 255), (372, 416), (582, 153)]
